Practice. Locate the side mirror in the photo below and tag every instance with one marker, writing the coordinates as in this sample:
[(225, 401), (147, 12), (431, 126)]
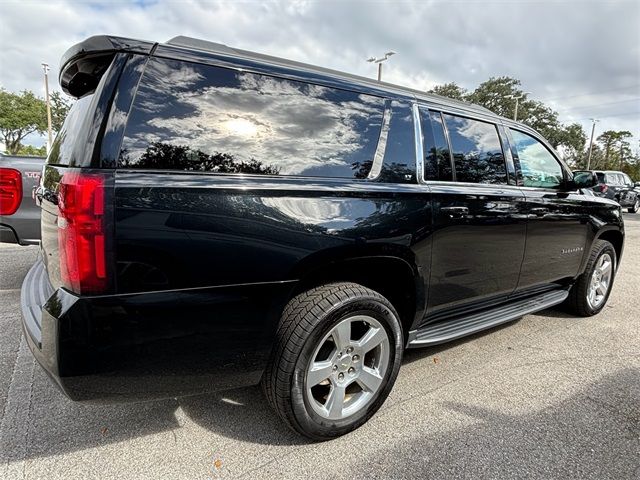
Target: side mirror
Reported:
[(585, 179)]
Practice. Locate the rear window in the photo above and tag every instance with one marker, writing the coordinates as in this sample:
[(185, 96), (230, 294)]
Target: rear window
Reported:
[(209, 119), (73, 129)]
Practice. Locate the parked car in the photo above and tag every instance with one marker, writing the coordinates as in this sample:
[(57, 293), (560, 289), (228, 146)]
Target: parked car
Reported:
[(214, 218), (619, 187), (19, 214)]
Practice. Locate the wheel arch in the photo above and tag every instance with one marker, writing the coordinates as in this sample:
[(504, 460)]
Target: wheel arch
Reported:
[(390, 271), (616, 238)]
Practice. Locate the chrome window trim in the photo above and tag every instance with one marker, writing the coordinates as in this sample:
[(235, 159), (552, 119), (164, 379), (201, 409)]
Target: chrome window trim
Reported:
[(378, 156), (417, 132), (471, 184)]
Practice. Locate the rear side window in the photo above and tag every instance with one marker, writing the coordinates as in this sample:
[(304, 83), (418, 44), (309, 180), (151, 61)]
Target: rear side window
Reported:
[(210, 119), (437, 159), (73, 130), (539, 167), (477, 153), (600, 176)]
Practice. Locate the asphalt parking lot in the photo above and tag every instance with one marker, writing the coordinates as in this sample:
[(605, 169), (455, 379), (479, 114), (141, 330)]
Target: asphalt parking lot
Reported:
[(549, 396)]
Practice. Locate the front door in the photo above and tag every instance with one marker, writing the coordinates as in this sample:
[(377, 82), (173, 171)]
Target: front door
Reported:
[(557, 219)]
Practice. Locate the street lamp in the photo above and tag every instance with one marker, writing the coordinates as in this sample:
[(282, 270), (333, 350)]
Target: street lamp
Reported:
[(45, 68), (379, 62), (593, 129), (517, 99)]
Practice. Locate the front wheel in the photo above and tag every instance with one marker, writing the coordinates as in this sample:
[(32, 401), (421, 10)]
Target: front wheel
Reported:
[(589, 294), (635, 207), (337, 354)]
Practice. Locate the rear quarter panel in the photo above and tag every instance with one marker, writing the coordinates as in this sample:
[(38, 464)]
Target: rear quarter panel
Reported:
[(184, 230)]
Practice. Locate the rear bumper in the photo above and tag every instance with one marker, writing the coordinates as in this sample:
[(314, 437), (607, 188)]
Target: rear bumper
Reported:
[(151, 345)]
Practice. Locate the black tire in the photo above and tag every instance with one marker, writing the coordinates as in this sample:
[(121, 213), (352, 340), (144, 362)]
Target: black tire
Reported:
[(577, 302), (305, 321), (635, 207)]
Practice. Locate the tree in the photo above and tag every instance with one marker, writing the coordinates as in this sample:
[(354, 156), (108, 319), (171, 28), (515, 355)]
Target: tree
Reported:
[(572, 138), (60, 107), (607, 140), (616, 147), (498, 94), (20, 115), (30, 150), (623, 146), (450, 90)]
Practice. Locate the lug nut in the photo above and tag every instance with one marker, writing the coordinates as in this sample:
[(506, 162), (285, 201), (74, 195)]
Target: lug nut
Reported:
[(340, 376), (349, 349), (335, 367), (355, 358), (352, 370)]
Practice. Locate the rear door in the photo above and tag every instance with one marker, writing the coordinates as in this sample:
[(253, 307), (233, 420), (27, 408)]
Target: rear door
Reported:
[(557, 218), (479, 231)]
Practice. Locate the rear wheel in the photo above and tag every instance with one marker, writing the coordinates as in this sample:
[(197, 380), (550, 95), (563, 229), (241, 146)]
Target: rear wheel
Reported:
[(337, 354), (590, 293), (635, 207)]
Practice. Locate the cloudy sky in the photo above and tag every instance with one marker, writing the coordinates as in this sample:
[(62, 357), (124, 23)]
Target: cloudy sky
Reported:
[(581, 57)]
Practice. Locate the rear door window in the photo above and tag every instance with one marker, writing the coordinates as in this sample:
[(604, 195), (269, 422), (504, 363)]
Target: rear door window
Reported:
[(210, 119), (477, 152)]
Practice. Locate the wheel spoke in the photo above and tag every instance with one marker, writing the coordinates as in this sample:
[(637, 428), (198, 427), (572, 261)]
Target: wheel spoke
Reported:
[(335, 402), (605, 268), (369, 379), (342, 335), (371, 339), (319, 371)]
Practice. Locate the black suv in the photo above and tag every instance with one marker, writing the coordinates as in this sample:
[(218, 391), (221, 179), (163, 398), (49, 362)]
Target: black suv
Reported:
[(617, 186), (214, 218)]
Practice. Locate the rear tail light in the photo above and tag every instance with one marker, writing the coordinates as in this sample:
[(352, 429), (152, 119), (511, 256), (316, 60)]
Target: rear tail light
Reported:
[(10, 190), (604, 187), (81, 232)]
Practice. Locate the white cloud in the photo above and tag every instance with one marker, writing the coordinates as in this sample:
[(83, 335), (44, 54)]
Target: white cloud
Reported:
[(557, 49)]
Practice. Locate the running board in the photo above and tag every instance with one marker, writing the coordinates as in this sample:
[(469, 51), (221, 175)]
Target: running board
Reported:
[(457, 327)]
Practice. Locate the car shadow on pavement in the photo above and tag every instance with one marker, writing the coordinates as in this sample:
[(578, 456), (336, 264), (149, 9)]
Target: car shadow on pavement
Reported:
[(591, 433), (242, 414)]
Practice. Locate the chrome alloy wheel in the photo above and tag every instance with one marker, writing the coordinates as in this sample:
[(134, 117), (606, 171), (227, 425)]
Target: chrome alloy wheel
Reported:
[(600, 281), (347, 368)]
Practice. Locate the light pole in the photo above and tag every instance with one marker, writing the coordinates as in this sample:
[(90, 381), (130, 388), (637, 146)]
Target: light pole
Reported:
[(45, 67), (379, 62), (593, 129), (515, 112)]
